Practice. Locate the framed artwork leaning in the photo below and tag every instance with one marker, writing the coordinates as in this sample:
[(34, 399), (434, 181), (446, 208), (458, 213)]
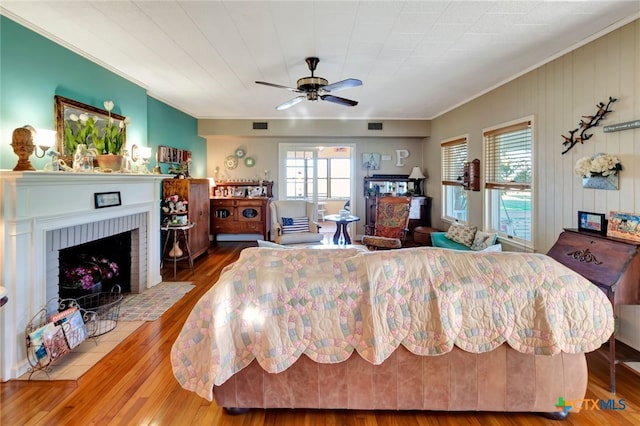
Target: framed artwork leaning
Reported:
[(592, 222), (624, 225)]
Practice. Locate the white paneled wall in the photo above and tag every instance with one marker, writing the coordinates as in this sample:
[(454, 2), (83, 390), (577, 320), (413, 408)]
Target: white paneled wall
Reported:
[(558, 94)]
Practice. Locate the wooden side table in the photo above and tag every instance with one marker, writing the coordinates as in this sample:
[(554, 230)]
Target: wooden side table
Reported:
[(178, 234), (422, 235), (342, 233)]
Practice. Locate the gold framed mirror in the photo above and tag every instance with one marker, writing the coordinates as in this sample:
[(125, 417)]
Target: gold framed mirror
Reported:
[(78, 123)]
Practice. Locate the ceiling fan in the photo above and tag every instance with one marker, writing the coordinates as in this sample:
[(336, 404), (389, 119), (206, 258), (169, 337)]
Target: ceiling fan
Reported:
[(315, 88)]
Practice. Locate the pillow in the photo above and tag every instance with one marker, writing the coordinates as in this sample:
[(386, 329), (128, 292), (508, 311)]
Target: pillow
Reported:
[(493, 248), (461, 234), (269, 244), (292, 225), (482, 240)]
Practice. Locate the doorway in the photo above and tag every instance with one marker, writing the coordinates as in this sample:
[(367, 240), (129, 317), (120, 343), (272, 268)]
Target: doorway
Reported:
[(323, 174)]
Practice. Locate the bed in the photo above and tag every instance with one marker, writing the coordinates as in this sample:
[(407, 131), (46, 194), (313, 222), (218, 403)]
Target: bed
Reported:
[(411, 329)]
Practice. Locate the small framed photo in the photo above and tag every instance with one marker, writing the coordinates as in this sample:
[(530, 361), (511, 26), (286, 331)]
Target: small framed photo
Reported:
[(624, 225), (592, 222), (371, 160), (107, 199)]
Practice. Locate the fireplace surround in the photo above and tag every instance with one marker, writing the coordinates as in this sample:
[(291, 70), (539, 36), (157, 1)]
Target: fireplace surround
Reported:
[(42, 212)]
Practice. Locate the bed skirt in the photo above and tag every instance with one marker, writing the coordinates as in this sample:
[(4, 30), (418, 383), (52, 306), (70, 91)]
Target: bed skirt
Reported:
[(501, 380)]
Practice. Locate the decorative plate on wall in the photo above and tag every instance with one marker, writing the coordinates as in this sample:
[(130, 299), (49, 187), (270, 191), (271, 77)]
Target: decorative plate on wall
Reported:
[(240, 153), (231, 162), (249, 162)]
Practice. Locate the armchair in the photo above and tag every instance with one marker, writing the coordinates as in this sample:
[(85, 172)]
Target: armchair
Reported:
[(294, 209), (391, 226)]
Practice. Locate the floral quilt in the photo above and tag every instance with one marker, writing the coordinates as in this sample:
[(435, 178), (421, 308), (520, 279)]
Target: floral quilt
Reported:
[(274, 305)]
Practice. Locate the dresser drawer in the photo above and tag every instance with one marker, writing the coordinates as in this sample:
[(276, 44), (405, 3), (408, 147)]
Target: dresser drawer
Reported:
[(252, 227)]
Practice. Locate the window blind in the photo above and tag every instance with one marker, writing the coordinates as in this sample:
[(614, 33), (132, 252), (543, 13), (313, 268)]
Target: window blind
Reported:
[(453, 156), (508, 157)]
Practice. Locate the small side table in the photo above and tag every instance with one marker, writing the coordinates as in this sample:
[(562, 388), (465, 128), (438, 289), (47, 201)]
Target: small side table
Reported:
[(341, 227), (179, 233), (422, 235)]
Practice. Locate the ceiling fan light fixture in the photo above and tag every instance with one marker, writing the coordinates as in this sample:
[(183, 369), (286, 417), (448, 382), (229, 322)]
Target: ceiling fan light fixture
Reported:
[(311, 83), (316, 88)]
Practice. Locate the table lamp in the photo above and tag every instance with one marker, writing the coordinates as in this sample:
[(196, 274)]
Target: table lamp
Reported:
[(417, 175)]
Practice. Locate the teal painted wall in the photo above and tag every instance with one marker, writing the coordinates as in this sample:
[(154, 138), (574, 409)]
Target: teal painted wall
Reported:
[(33, 69), (178, 130)]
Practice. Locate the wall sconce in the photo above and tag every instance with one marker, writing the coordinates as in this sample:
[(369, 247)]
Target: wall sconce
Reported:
[(22, 142), (417, 175), (44, 139)]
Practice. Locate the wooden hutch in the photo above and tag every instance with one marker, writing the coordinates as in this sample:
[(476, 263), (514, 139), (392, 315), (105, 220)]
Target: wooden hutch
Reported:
[(196, 192), (241, 207), (396, 185)]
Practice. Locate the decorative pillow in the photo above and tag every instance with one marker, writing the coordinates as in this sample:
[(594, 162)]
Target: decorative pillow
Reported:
[(292, 225), (269, 244), (482, 240), (461, 234), (493, 248)]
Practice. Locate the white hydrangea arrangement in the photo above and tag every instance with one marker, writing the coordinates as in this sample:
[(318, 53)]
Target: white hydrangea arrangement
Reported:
[(598, 165)]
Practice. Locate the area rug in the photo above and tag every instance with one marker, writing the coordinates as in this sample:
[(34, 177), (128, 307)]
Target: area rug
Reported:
[(153, 302)]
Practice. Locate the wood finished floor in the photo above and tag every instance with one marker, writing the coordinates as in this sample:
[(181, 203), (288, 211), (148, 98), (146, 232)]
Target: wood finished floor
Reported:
[(134, 385)]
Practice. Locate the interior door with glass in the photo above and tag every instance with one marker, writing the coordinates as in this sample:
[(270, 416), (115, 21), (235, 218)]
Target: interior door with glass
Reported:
[(319, 174)]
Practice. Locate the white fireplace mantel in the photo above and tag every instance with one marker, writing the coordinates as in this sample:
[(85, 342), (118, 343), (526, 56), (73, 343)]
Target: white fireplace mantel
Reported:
[(33, 203)]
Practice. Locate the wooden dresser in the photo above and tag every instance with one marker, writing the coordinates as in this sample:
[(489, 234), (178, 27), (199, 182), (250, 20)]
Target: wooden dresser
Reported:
[(610, 263), (241, 214)]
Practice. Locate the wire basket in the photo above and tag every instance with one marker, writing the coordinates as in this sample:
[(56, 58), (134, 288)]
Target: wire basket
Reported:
[(100, 311)]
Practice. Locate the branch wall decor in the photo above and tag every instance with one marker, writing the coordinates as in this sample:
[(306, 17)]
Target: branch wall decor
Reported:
[(587, 122)]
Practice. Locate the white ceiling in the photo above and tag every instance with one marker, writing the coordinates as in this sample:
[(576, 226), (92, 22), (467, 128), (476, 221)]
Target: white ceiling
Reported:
[(417, 59)]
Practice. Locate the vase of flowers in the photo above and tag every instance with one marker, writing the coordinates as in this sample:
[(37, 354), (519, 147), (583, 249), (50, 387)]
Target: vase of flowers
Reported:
[(599, 171), (86, 275), (110, 145)]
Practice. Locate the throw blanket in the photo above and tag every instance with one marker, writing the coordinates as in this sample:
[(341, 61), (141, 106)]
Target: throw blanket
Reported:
[(274, 305)]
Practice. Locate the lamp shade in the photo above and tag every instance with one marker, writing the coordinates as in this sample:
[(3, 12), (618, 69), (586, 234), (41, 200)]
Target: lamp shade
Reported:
[(416, 173), (212, 182)]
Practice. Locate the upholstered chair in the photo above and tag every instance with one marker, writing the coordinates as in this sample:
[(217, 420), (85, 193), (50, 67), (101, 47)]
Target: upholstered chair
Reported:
[(293, 222), (390, 228)]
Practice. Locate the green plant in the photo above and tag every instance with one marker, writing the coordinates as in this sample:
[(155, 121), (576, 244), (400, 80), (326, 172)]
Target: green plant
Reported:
[(112, 140), (79, 129), (107, 138)]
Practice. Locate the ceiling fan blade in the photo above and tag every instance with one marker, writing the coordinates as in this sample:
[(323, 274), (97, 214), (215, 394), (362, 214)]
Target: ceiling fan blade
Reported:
[(340, 85), (291, 102), (338, 100), (278, 86)]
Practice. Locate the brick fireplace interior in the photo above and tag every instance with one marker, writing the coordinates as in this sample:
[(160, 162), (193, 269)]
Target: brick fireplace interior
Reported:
[(121, 239), (98, 255)]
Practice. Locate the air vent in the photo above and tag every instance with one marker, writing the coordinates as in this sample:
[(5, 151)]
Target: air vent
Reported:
[(263, 125), (375, 126)]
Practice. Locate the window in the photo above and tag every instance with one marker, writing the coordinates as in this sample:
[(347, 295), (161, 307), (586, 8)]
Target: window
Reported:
[(299, 169), (454, 198), (508, 176), (334, 176)]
